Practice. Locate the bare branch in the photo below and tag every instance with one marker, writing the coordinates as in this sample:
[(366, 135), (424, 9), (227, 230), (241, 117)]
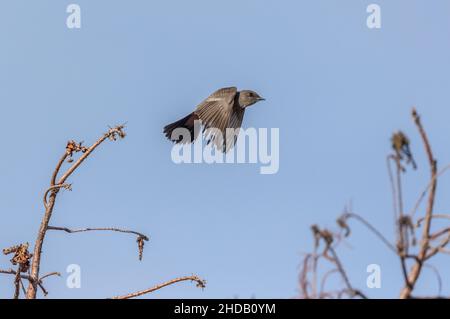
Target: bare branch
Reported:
[(140, 237), (112, 134), (340, 268), (439, 248), (438, 276), (200, 283), (371, 228), (439, 233), (442, 216), (17, 284), (55, 187), (425, 191), (324, 281), (55, 273), (58, 167), (80, 230), (424, 245), (27, 277)]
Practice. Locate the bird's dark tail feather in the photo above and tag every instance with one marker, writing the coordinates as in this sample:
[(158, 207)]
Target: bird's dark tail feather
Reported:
[(188, 123)]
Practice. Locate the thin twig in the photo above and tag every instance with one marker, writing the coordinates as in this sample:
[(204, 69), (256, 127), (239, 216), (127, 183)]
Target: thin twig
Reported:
[(324, 280), (140, 237), (442, 216), (394, 192), (440, 233), (424, 192), (200, 283), (372, 229), (80, 230), (55, 273), (445, 241), (341, 270), (53, 188), (438, 276), (27, 277)]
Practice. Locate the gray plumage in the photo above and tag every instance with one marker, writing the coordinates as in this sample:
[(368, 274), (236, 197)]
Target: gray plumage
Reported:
[(223, 109)]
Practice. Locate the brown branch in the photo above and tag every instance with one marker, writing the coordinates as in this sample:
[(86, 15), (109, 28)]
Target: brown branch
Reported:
[(200, 283), (303, 278), (372, 229), (424, 192), (324, 280), (424, 245), (67, 230), (12, 272), (24, 291), (439, 248), (112, 134), (140, 237), (27, 277), (55, 273), (438, 276), (442, 216), (53, 188), (58, 167), (17, 283), (44, 291), (394, 192), (341, 270), (402, 242), (435, 297), (440, 233)]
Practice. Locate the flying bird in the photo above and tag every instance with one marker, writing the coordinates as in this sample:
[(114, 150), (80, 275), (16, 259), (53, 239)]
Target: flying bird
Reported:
[(223, 109)]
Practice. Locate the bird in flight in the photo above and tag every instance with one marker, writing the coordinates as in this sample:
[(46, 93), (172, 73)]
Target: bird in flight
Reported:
[(222, 110)]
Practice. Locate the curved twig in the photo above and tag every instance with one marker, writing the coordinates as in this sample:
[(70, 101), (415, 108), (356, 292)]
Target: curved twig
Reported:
[(373, 230), (424, 192), (438, 277), (58, 167), (200, 283), (140, 237), (55, 273), (445, 241), (55, 187), (340, 269), (81, 230), (324, 280)]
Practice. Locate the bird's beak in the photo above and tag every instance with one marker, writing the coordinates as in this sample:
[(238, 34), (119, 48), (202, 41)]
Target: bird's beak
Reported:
[(261, 99)]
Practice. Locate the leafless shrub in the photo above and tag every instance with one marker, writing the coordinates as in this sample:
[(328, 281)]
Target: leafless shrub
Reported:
[(28, 265), (413, 255)]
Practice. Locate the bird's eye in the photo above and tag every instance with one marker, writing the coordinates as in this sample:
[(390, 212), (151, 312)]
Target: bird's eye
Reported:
[(250, 94)]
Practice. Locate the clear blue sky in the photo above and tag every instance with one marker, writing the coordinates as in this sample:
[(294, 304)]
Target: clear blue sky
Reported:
[(334, 88)]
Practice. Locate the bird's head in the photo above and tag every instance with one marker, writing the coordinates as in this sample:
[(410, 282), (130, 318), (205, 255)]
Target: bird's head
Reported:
[(248, 97)]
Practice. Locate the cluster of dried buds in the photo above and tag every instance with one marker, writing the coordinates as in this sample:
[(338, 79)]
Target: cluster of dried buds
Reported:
[(140, 240), (21, 256), (116, 132), (74, 147)]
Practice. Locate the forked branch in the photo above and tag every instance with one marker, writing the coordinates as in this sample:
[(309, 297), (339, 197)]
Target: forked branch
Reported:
[(51, 194)]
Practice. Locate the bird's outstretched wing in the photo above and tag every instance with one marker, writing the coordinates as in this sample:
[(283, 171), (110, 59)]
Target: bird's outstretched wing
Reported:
[(235, 123), (216, 114)]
